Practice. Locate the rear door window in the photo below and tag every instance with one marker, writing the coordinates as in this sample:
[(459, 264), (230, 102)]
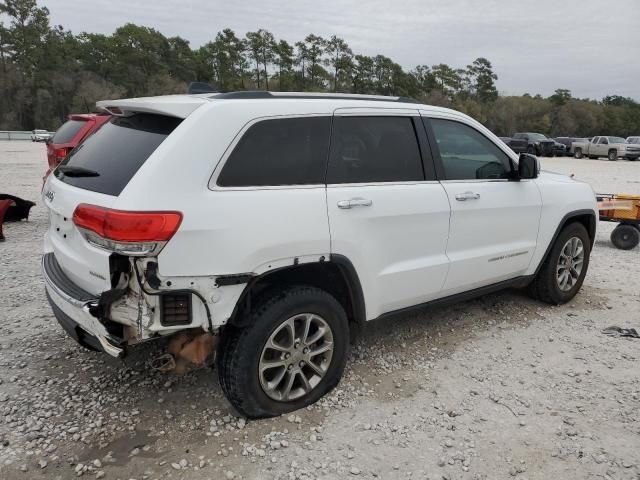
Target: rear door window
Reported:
[(115, 152), (374, 149), (276, 152), (67, 131)]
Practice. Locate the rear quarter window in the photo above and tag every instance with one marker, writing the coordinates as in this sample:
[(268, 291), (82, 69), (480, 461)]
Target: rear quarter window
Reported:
[(68, 131), (277, 152), (116, 151)]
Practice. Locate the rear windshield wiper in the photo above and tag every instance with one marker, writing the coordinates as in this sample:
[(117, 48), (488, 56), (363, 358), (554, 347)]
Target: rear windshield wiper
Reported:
[(71, 171)]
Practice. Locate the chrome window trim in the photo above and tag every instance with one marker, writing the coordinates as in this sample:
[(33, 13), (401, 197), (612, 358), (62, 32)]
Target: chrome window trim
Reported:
[(382, 184), (477, 180)]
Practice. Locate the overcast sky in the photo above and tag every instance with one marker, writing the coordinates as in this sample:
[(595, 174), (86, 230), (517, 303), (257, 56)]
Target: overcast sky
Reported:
[(591, 47)]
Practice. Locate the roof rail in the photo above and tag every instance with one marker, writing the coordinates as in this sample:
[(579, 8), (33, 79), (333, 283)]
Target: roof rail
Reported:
[(263, 94)]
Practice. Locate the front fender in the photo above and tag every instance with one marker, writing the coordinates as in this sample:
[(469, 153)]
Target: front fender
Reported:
[(563, 199)]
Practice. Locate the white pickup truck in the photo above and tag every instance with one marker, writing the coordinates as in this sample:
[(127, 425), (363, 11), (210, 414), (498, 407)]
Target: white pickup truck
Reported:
[(610, 147)]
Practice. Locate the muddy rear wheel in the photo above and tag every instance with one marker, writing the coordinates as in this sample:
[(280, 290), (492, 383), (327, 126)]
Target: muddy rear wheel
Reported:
[(292, 353)]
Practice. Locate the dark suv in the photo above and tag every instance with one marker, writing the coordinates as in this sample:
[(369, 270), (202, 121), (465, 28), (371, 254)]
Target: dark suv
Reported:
[(539, 144)]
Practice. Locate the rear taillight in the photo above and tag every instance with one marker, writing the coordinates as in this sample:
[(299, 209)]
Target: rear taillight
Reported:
[(129, 233), (60, 153)]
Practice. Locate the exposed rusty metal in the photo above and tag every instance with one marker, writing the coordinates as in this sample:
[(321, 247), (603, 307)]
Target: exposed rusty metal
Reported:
[(187, 350)]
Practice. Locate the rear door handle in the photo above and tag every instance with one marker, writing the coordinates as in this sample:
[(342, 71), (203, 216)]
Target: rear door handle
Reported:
[(354, 202), (463, 197)]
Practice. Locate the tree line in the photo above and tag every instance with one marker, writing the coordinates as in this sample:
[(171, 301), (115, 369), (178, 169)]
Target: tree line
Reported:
[(48, 72)]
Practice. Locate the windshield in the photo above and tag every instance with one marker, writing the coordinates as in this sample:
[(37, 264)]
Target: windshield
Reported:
[(536, 136), (67, 131), (633, 140), (616, 140)]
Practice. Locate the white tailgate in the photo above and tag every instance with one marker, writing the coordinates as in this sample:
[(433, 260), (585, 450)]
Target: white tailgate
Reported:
[(85, 265)]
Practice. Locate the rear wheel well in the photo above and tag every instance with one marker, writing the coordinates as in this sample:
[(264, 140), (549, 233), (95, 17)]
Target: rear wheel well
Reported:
[(332, 277)]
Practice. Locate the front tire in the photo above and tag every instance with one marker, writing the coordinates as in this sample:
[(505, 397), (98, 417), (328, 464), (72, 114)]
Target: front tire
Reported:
[(292, 353), (625, 236), (564, 269), (612, 155)]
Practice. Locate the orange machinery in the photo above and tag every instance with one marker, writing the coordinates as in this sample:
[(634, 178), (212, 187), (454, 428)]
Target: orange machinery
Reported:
[(624, 209)]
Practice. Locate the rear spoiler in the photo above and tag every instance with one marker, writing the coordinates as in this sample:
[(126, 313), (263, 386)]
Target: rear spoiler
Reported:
[(180, 106), (86, 116)]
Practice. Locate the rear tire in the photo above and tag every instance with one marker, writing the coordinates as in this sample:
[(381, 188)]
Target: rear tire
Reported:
[(625, 236), (276, 335), (531, 150), (559, 278), (578, 153), (612, 155)]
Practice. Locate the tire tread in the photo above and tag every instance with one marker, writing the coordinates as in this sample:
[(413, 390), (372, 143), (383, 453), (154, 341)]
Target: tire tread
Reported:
[(233, 359), (542, 287)]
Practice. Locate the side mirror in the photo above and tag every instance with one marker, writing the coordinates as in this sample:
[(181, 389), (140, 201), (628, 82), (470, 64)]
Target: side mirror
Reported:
[(528, 166)]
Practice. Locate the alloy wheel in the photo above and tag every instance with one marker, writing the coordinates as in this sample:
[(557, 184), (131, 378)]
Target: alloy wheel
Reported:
[(296, 357), (570, 264)]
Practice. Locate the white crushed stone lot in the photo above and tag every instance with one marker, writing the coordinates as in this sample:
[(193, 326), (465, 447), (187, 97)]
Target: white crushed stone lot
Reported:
[(502, 387)]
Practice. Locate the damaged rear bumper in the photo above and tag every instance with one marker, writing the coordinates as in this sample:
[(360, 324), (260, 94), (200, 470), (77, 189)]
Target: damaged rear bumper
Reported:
[(71, 305)]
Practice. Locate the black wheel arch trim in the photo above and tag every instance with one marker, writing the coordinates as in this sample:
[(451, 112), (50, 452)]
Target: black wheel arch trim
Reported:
[(591, 230), (346, 268), (355, 287)]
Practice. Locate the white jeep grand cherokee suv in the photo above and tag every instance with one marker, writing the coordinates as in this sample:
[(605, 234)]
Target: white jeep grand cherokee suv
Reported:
[(280, 222)]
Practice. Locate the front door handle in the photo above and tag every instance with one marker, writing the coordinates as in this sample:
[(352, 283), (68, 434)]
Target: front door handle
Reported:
[(354, 202), (463, 197)]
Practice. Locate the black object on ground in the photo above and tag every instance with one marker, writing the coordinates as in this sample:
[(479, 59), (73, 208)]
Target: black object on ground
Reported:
[(621, 332), (4, 206), (18, 210)]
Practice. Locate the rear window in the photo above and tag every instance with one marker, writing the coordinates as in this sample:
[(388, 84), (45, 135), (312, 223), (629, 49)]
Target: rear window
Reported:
[(67, 131), (116, 151), (374, 149)]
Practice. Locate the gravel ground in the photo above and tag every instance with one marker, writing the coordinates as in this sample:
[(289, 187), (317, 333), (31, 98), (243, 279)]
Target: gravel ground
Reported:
[(499, 387)]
